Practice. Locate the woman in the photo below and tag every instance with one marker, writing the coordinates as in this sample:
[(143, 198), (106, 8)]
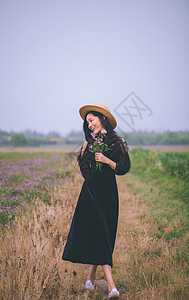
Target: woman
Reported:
[(92, 233)]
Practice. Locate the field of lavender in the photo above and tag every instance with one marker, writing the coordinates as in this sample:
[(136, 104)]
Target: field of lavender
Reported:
[(26, 178)]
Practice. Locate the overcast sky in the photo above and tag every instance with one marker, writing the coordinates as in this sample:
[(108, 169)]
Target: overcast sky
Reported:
[(131, 56)]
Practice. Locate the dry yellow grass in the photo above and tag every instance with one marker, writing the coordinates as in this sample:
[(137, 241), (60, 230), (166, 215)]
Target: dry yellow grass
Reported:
[(63, 148), (31, 264), (31, 253)]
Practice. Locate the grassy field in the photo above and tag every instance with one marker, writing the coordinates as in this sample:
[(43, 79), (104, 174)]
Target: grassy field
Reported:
[(162, 182), (38, 194)]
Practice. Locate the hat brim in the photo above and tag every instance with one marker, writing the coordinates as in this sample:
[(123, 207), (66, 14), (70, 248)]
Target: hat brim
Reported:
[(99, 108)]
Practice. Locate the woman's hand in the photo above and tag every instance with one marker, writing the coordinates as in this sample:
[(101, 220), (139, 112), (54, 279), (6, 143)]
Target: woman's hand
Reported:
[(101, 158)]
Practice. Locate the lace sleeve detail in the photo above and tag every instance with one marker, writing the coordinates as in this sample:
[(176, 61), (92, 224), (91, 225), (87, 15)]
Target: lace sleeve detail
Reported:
[(124, 164)]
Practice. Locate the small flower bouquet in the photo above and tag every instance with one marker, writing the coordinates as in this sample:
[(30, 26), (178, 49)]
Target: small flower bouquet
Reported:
[(99, 147)]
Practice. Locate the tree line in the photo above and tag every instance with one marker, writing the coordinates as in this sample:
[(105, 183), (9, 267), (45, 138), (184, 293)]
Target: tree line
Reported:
[(29, 138)]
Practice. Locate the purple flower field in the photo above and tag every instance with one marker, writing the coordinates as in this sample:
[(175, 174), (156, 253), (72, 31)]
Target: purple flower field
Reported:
[(24, 178)]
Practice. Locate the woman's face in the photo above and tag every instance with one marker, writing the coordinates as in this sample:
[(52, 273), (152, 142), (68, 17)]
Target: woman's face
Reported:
[(93, 123)]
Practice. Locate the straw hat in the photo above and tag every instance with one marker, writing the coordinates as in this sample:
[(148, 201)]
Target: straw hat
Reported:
[(101, 109)]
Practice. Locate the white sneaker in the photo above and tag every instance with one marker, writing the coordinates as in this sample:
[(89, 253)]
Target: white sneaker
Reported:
[(89, 285), (114, 294)]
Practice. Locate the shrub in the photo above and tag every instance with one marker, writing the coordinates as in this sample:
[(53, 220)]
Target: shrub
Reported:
[(18, 140)]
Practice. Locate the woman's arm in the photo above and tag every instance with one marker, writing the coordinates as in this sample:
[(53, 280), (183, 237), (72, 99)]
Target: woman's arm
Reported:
[(82, 159), (84, 147), (112, 164), (123, 165)]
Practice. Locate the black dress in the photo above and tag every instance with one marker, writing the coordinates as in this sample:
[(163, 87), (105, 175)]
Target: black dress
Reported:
[(92, 233)]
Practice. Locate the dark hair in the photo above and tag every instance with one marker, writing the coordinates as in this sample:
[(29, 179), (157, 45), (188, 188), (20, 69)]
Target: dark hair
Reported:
[(111, 135)]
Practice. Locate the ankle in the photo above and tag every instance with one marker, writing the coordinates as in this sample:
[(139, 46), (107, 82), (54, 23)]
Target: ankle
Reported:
[(91, 278), (111, 286)]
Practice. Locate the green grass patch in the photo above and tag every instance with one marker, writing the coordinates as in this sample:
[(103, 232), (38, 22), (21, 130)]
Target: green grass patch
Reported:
[(164, 190)]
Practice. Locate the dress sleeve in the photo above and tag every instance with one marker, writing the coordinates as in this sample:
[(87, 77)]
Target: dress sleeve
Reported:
[(123, 165), (83, 163)]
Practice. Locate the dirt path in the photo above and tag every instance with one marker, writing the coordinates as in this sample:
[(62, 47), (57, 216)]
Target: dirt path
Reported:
[(76, 148), (128, 226)]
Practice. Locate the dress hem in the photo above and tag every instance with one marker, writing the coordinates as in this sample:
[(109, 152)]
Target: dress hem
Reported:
[(87, 262)]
